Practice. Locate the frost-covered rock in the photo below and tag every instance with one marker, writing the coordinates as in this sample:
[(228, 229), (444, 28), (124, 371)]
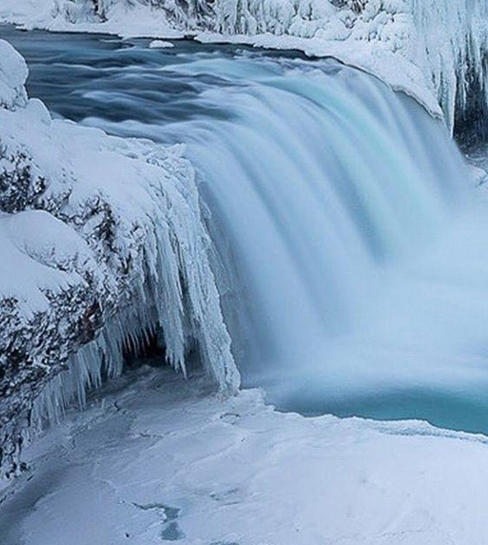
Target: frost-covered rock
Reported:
[(102, 246)]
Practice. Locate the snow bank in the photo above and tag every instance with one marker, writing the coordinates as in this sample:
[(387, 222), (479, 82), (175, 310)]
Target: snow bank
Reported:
[(434, 50), (13, 75), (102, 246), (122, 17)]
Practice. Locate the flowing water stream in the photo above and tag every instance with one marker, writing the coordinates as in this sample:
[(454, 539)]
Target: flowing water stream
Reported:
[(351, 248)]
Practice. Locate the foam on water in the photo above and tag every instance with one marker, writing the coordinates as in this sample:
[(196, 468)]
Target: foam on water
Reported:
[(350, 243)]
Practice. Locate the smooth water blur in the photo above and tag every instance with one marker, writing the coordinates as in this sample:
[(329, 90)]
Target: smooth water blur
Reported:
[(350, 250)]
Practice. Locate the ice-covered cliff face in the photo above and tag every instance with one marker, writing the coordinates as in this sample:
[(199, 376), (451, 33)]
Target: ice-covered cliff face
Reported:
[(102, 244), (444, 43), (435, 50)]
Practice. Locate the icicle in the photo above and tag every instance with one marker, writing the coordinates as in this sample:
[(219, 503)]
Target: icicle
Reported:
[(176, 300)]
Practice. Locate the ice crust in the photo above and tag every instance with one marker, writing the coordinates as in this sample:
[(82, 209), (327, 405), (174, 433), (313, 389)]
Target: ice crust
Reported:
[(156, 459)]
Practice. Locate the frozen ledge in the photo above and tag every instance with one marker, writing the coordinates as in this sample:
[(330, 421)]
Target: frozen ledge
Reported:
[(102, 245)]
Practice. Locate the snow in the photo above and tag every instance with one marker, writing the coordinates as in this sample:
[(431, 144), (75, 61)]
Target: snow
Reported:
[(430, 49), (13, 74), (123, 18), (39, 253), (160, 44), (155, 459)]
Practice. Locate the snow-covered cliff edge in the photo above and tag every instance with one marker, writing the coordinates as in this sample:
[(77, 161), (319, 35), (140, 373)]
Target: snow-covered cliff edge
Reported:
[(102, 244)]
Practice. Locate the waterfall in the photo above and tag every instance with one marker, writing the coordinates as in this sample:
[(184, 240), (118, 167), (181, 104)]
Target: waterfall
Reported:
[(346, 216), (348, 235)]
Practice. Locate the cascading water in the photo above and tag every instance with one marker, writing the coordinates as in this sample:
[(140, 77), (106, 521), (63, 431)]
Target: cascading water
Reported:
[(349, 248), (347, 213)]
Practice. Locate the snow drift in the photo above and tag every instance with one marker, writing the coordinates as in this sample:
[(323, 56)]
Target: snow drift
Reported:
[(103, 245)]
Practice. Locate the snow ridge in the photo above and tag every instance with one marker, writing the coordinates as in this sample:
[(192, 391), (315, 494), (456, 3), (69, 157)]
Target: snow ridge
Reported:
[(103, 246)]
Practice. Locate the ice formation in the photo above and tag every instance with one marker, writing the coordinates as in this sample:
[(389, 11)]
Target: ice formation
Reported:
[(102, 245), (446, 42)]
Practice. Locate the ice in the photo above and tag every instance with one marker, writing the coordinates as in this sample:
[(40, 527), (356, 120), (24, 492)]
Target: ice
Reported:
[(433, 45), (123, 17), (160, 44), (154, 459)]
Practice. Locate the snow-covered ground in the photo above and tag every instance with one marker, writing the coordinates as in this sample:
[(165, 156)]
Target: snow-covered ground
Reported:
[(158, 459)]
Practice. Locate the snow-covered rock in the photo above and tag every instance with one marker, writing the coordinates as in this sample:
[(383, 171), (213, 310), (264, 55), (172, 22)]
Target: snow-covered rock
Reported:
[(160, 44), (13, 75), (103, 245)]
